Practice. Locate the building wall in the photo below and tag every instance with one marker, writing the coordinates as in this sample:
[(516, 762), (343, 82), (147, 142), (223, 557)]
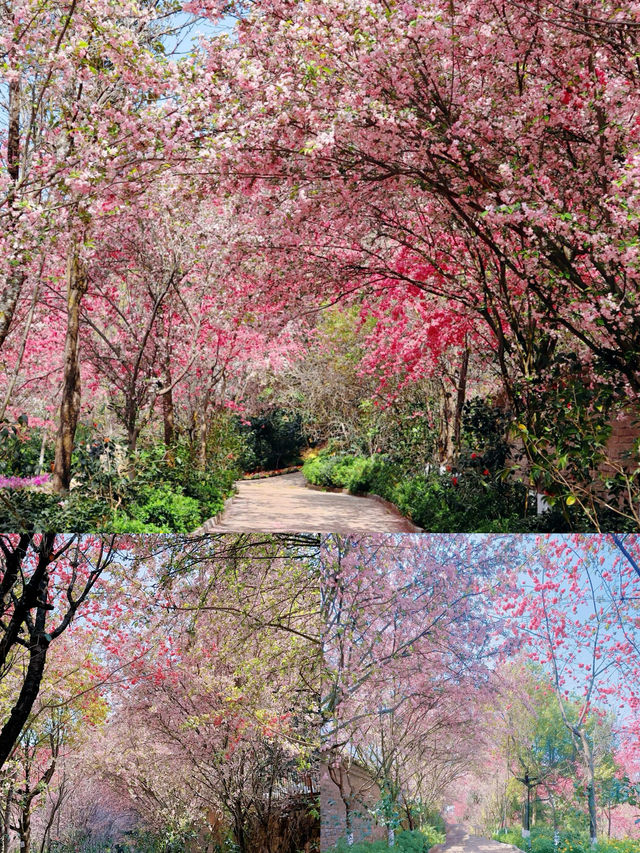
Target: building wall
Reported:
[(363, 792)]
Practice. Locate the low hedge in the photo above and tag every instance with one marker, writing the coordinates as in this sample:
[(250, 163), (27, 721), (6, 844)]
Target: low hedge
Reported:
[(474, 501), (570, 842), (407, 841)]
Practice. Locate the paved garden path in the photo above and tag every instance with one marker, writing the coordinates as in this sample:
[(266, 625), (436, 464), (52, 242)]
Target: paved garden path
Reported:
[(284, 503), (459, 841)]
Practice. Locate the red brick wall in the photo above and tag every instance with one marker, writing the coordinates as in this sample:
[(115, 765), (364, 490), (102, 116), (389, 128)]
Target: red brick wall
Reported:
[(623, 434), (364, 793)]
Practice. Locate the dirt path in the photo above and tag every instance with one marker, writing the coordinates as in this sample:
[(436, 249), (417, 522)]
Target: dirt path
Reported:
[(459, 841), (285, 504)]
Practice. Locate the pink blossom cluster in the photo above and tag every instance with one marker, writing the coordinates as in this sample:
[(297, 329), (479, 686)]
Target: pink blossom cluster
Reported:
[(23, 482)]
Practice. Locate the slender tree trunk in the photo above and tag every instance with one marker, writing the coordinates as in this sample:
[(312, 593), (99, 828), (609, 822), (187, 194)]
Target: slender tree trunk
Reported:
[(71, 389), (16, 276), (18, 362), (591, 787), (55, 810), (461, 396), (38, 646), (593, 817), (202, 434), (25, 827), (6, 817), (168, 417), (348, 822), (526, 818), (43, 447)]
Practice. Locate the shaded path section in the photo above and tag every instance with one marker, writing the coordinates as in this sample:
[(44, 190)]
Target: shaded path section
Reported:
[(459, 841), (284, 503)]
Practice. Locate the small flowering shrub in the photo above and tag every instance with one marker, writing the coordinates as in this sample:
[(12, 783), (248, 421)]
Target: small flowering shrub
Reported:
[(24, 482)]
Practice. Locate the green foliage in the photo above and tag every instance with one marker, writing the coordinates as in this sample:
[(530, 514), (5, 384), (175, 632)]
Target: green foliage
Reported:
[(571, 841), (484, 436), (569, 423), (34, 510), (358, 474), (163, 510), (150, 491), (408, 841), (20, 449), (470, 501), (272, 440)]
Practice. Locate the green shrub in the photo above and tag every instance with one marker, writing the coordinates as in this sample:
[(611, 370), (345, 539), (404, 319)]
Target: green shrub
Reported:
[(272, 440), (20, 449), (155, 495), (570, 842), (318, 470), (165, 510), (358, 474), (407, 841), (39, 511), (618, 845)]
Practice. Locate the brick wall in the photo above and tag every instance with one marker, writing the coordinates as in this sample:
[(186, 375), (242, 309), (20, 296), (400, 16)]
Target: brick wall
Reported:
[(363, 793), (623, 434)]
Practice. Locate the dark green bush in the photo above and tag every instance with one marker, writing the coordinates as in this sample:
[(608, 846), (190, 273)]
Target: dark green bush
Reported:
[(272, 440), (462, 502), (359, 474), (20, 449), (157, 493)]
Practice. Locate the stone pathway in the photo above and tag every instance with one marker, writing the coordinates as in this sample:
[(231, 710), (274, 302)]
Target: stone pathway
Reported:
[(284, 503), (459, 841)]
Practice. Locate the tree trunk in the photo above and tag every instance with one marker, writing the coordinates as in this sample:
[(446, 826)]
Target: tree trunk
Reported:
[(591, 787), (445, 431), (461, 396), (30, 596), (71, 390), (239, 831), (133, 431), (202, 433), (6, 828), (43, 447), (16, 276), (25, 827), (168, 418), (30, 688), (526, 818), (20, 355), (593, 818), (348, 823), (38, 646)]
